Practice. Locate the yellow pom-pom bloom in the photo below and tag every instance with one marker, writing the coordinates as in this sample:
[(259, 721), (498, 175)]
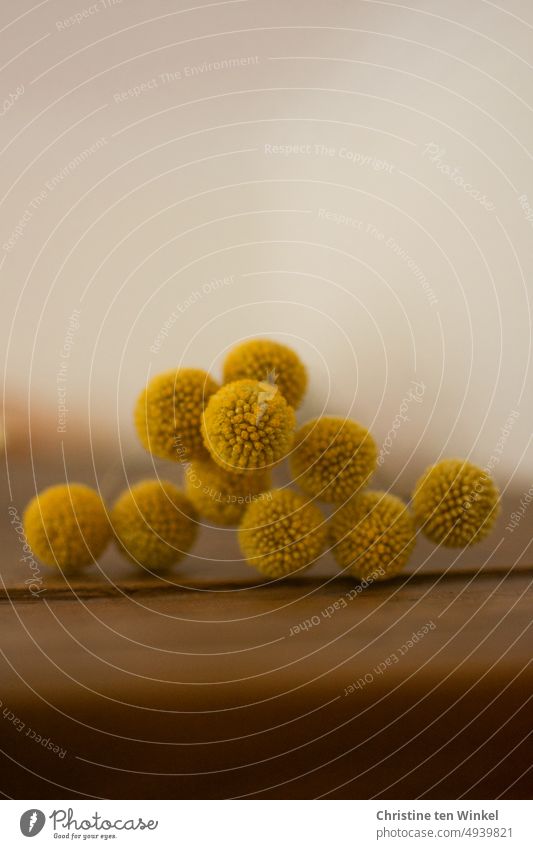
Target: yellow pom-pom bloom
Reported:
[(154, 524), (282, 533), (262, 359), (248, 425), (221, 496), (168, 414), (455, 503), (373, 536), (333, 458), (67, 526)]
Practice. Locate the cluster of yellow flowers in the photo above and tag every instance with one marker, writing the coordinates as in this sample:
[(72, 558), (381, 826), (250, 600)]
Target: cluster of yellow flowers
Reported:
[(230, 437)]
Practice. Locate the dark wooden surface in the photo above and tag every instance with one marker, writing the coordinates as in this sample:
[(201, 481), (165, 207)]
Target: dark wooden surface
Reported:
[(192, 686), (201, 691)]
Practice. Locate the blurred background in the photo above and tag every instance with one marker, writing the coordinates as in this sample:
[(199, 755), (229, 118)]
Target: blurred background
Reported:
[(353, 179)]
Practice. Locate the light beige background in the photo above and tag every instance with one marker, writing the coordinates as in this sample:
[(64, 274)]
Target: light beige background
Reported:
[(181, 186)]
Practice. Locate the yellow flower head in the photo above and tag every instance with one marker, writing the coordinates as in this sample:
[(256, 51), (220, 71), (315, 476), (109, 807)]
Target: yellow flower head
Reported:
[(282, 534), (221, 496), (262, 359), (455, 503), (373, 536), (154, 524), (248, 425), (168, 413), (333, 458), (67, 526)]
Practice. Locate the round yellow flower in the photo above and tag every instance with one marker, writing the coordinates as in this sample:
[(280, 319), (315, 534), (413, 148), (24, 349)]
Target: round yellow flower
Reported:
[(262, 359), (221, 496), (168, 413), (67, 526), (455, 503), (333, 458), (154, 524), (282, 533), (373, 536), (248, 425)]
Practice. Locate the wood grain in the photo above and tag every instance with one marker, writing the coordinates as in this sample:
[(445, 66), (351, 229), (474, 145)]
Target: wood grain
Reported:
[(201, 691)]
